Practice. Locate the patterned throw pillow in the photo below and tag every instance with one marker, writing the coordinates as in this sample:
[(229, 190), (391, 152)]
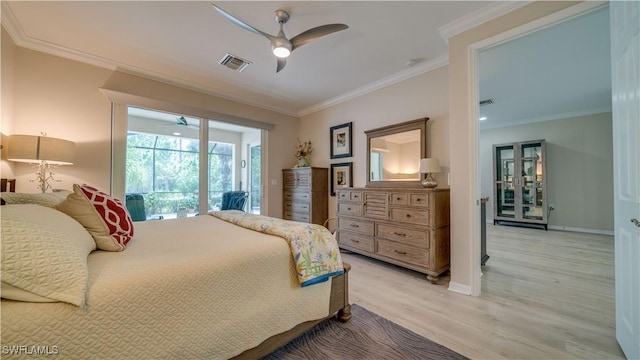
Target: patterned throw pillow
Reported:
[(105, 217)]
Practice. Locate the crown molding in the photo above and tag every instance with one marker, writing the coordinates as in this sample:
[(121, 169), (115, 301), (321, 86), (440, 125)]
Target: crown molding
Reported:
[(490, 12), (478, 17), (382, 83), (555, 117), (21, 39), (10, 23)]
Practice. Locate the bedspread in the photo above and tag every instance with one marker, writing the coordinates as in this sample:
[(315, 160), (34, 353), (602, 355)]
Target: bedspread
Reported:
[(313, 248), (191, 288)]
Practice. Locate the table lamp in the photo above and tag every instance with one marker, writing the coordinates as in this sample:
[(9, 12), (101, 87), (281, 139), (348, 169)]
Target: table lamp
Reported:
[(44, 151), (429, 166)]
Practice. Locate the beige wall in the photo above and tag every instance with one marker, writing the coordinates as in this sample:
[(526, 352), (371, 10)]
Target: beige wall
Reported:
[(424, 95), (62, 98), (463, 144), (579, 162), (6, 101)]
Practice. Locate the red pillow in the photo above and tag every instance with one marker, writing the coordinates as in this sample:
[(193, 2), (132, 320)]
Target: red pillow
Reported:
[(105, 217)]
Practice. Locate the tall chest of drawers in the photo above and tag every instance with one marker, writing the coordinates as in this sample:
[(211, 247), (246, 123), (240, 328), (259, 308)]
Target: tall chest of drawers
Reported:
[(306, 194), (406, 227)]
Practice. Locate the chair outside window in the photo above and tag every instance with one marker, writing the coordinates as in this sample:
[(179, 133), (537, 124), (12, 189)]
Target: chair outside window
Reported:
[(135, 206), (234, 200)]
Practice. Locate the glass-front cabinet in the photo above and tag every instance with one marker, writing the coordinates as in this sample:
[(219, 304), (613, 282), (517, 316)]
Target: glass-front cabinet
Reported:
[(519, 182)]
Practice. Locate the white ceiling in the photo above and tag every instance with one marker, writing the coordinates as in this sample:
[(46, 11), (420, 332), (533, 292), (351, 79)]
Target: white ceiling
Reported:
[(558, 72), (181, 42)]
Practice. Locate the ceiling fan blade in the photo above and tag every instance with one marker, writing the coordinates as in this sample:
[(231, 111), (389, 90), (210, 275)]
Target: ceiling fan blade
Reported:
[(315, 33), (281, 63), (241, 23)]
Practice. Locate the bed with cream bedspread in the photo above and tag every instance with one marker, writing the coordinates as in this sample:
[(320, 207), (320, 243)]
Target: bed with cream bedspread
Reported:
[(210, 293)]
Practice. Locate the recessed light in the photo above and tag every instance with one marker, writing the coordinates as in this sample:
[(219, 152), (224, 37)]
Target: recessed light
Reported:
[(482, 118), (177, 133)]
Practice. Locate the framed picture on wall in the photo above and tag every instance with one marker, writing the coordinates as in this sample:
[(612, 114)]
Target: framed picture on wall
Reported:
[(341, 176), (341, 141)]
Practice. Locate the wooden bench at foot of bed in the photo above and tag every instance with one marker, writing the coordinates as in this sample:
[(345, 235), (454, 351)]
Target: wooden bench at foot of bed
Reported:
[(339, 307)]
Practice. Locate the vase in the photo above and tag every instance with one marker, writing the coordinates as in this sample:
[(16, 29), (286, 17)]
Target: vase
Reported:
[(302, 162)]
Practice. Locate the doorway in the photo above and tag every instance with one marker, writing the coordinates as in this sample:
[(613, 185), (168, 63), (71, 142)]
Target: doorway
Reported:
[(475, 50), (570, 135)]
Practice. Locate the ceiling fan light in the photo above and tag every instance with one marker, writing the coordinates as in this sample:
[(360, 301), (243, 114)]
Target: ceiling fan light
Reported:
[(281, 52), (281, 47)]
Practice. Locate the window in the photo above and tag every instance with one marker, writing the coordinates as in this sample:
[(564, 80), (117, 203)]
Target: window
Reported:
[(163, 162)]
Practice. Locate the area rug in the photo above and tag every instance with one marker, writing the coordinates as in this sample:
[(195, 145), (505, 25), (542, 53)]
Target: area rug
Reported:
[(365, 336)]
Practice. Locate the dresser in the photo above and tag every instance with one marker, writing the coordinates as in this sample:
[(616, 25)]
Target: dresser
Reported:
[(306, 194), (403, 226)]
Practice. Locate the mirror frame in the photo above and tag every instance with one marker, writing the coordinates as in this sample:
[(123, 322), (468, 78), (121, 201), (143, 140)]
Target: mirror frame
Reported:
[(418, 124)]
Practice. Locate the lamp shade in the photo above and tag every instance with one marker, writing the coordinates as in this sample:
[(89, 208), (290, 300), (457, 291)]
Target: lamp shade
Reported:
[(34, 149), (429, 165)]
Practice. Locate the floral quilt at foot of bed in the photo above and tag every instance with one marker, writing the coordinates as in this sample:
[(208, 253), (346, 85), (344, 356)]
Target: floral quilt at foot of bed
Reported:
[(314, 250)]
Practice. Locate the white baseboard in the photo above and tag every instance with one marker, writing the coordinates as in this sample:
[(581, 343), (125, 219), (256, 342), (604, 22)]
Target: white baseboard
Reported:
[(582, 230), (574, 229), (459, 288)]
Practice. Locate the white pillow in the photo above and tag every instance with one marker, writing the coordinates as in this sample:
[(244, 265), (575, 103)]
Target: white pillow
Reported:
[(44, 252), (44, 199)]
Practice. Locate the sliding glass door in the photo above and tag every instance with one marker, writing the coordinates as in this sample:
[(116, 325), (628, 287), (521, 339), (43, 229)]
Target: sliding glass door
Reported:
[(164, 165)]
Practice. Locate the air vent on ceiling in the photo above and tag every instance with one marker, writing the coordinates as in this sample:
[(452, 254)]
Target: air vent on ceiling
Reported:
[(234, 63), (486, 102)]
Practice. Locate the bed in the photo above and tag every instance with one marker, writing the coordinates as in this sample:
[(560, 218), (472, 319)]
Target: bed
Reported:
[(204, 287)]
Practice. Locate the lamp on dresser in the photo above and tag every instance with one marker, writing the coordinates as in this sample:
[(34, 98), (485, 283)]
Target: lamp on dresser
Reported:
[(43, 151), (429, 166)]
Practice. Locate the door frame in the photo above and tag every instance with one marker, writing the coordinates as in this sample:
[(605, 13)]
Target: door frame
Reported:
[(473, 53), (250, 175)]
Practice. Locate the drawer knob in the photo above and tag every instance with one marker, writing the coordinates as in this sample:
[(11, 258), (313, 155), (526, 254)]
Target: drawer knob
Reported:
[(398, 198), (418, 199), (355, 196), (408, 216), (355, 225), (355, 241), (400, 252), (349, 209), (399, 234)]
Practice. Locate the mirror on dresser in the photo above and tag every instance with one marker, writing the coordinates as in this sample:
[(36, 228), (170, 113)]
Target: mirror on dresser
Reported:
[(394, 154)]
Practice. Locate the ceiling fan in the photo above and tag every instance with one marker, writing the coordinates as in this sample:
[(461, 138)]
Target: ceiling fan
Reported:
[(280, 45), (180, 123)]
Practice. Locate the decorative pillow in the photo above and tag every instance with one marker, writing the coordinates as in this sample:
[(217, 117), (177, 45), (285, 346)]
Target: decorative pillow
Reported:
[(44, 252), (105, 217), (44, 199)]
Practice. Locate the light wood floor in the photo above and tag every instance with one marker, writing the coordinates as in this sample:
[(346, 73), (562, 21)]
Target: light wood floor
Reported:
[(545, 295)]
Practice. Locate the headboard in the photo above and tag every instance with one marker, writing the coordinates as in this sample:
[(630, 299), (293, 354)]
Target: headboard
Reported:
[(8, 185)]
